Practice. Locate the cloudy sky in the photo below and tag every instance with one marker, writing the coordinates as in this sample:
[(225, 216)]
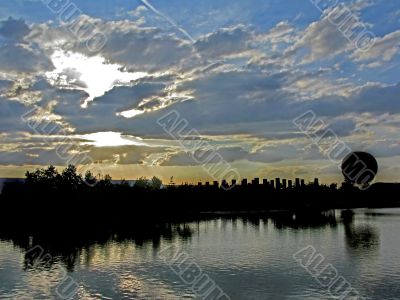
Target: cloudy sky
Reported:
[(100, 74)]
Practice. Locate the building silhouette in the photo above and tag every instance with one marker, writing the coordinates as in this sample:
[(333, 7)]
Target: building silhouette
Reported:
[(278, 183), (297, 182), (257, 184)]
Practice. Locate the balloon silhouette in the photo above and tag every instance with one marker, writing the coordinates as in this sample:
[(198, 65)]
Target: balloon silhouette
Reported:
[(359, 168)]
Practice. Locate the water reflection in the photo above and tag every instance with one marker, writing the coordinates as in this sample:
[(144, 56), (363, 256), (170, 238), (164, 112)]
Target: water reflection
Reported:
[(302, 220), (67, 247), (250, 255), (360, 238)]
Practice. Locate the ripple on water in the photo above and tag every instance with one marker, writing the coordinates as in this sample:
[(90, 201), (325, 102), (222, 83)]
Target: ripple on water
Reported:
[(248, 260)]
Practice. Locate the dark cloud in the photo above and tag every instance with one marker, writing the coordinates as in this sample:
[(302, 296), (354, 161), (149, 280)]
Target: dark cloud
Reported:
[(17, 58), (17, 54), (224, 41), (10, 116), (14, 30), (230, 81), (134, 47)]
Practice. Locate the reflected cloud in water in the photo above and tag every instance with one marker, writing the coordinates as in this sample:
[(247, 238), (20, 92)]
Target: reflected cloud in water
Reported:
[(68, 248), (247, 252)]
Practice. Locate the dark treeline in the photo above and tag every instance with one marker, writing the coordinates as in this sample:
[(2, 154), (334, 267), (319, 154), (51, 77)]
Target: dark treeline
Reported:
[(47, 196)]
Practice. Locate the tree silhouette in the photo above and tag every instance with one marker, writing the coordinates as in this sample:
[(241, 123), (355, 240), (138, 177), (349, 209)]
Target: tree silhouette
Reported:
[(90, 179), (156, 183), (70, 179), (105, 182), (69, 187), (43, 178), (142, 183)]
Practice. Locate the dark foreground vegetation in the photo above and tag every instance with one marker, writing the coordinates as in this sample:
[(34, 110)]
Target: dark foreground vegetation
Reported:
[(50, 197)]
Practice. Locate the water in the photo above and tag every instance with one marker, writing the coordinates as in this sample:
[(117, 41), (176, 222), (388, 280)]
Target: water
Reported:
[(248, 258)]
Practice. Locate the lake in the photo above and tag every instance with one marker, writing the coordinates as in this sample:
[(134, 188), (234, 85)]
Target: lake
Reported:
[(279, 256)]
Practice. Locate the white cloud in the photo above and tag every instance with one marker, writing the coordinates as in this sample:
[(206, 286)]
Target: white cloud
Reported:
[(383, 50), (91, 74), (320, 40), (237, 86), (109, 139)]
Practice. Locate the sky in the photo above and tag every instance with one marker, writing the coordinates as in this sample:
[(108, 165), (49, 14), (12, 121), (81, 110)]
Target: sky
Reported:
[(93, 79)]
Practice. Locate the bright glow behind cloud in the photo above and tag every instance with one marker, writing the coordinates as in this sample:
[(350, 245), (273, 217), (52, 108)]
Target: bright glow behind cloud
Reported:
[(110, 139), (130, 113), (248, 75), (92, 74)]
